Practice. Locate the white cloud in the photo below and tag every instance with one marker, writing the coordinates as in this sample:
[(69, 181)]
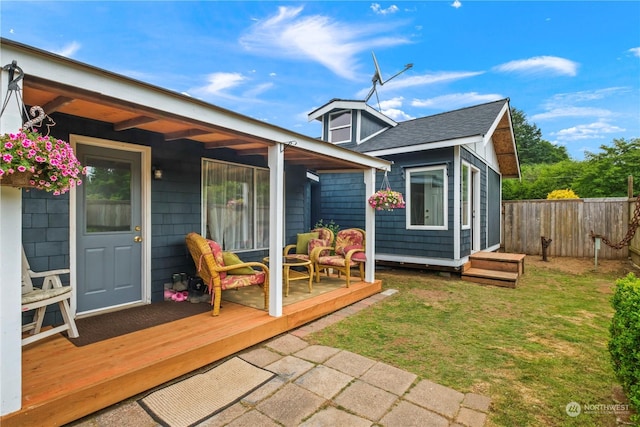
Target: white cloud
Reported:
[(392, 103), (570, 98), (563, 105), (219, 82), (380, 11), (540, 65), (422, 80), (557, 113), (596, 130), (258, 90), (456, 100), (635, 51), (318, 38), (68, 50), (456, 4), (397, 115)]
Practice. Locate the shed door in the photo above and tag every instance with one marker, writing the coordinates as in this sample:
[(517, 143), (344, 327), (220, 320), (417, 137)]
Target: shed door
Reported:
[(109, 220)]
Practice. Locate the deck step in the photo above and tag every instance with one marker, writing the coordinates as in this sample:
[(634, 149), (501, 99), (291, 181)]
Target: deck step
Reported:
[(508, 279), (498, 261)]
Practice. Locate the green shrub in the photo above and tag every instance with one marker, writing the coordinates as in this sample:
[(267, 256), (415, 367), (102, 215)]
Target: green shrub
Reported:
[(331, 225), (624, 345)]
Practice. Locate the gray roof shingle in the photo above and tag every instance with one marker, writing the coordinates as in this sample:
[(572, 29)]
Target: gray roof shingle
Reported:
[(465, 122)]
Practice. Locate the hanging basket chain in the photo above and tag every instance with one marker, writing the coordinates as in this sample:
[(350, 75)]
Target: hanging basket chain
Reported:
[(384, 185), (633, 226), (15, 75)]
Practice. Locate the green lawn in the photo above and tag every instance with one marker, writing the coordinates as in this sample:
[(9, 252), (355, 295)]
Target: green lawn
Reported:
[(532, 349)]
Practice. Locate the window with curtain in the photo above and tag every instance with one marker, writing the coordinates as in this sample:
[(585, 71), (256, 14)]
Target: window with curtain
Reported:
[(427, 198), (236, 204)]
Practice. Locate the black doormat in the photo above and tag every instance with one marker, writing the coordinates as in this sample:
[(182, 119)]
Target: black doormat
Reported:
[(110, 325)]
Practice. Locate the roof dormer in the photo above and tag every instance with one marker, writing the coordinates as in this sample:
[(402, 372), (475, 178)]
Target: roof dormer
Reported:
[(347, 122)]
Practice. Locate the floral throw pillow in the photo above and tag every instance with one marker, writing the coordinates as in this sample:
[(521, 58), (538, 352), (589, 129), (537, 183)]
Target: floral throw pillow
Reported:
[(217, 254), (317, 243)]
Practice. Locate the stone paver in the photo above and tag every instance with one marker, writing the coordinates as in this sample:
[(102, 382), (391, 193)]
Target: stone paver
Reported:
[(477, 402), (469, 417), (331, 417), (407, 414), (290, 405), (317, 353), (253, 419), (389, 378), (260, 357), (366, 400), (325, 386), (350, 363), (324, 381), (437, 398), (287, 344), (289, 367)]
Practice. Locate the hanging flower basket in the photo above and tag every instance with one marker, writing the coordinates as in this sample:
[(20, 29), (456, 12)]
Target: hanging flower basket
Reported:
[(17, 179), (50, 162), (386, 200)]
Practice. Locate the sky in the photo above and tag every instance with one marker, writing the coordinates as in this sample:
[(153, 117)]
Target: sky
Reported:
[(572, 67)]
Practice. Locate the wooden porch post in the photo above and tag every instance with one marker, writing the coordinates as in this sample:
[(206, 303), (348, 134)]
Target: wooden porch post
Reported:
[(370, 226), (276, 227), (10, 259)]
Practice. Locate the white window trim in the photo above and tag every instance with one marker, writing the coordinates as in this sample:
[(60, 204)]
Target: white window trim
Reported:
[(203, 216), (332, 128), (445, 204), (466, 226)]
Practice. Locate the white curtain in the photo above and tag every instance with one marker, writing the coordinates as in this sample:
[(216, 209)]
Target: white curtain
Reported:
[(231, 200)]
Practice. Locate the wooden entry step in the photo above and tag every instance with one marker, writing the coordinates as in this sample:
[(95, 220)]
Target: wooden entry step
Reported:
[(498, 261), (494, 268)]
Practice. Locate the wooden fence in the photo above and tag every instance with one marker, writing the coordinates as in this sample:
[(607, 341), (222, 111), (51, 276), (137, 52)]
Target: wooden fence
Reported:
[(568, 223)]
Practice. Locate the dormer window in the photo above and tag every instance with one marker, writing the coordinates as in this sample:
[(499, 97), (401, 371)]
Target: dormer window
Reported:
[(340, 126)]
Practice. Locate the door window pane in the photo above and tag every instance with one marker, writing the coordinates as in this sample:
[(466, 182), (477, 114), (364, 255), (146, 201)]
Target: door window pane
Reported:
[(107, 189)]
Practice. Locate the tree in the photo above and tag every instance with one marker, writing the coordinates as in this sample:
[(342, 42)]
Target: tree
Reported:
[(540, 179), (532, 149), (604, 174)]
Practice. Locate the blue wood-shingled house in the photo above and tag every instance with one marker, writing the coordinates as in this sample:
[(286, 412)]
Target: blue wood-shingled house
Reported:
[(448, 166)]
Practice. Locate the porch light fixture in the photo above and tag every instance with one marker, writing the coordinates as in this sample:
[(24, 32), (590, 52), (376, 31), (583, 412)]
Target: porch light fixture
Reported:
[(157, 173)]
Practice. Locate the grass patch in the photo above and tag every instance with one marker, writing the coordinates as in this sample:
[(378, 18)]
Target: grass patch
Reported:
[(532, 349)]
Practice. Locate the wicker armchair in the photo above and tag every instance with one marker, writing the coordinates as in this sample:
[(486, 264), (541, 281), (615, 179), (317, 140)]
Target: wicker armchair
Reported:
[(325, 239), (209, 261), (349, 254)]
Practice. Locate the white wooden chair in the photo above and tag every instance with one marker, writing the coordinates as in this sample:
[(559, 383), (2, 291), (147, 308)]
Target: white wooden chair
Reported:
[(34, 298)]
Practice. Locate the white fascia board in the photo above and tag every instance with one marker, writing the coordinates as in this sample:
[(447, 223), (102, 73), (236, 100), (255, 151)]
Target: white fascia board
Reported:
[(427, 146), (350, 105), (59, 69)]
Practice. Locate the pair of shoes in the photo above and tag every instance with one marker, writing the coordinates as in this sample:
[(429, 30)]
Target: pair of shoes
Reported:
[(169, 294), (180, 296)]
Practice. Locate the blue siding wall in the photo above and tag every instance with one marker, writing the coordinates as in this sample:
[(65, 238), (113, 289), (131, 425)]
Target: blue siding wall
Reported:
[(297, 203), (465, 240), (343, 200), (175, 205)]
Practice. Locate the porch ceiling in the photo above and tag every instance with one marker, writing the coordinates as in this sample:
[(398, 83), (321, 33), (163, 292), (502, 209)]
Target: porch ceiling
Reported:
[(123, 115)]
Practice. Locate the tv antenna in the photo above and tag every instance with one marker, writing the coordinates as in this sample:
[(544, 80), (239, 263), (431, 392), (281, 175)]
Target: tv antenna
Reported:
[(377, 78)]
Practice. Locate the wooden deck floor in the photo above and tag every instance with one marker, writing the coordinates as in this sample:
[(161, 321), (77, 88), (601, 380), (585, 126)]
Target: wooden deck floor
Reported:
[(62, 383)]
